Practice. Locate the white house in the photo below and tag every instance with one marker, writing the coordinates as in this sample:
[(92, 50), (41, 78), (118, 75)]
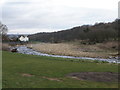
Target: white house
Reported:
[(24, 38)]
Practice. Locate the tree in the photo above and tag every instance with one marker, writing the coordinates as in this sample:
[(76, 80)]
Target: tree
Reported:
[(3, 31)]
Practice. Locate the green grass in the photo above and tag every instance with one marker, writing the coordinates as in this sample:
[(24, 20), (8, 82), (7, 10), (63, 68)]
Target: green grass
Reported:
[(0, 69), (14, 65)]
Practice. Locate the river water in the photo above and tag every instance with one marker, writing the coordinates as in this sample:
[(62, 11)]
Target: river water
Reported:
[(26, 50)]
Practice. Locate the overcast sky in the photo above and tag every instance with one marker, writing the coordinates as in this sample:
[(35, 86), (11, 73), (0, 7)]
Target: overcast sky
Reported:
[(32, 16)]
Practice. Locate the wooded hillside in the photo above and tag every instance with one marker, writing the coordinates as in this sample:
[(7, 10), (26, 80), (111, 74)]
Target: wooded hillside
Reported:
[(96, 33)]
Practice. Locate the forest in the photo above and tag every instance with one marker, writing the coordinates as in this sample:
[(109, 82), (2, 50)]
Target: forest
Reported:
[(88, 34)]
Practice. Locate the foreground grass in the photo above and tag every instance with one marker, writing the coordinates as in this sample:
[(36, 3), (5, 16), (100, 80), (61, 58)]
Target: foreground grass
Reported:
[(0, 69), (16, 65)]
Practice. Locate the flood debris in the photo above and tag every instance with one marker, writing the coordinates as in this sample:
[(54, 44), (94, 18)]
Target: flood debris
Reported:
[(51, 79), (27, 75)]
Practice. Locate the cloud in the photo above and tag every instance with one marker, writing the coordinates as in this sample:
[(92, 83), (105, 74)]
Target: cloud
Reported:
[(119, 10), (36, 30), (51, 15)]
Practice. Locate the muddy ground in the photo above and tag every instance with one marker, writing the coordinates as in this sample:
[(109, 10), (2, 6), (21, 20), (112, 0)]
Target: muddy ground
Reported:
[(95, 76)]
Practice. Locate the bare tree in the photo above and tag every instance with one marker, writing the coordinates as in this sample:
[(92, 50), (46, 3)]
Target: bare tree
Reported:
[(3, 32), (3, 29)]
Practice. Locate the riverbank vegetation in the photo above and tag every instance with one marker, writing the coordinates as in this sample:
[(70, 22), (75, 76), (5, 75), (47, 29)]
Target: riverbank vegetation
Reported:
[(4, 46), (29, 71), (99, 50)]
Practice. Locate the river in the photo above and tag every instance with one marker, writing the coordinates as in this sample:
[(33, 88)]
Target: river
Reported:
[(26, 50)]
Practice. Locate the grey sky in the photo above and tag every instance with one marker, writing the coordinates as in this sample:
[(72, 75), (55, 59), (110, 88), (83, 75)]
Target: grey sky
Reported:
[(31, 16)]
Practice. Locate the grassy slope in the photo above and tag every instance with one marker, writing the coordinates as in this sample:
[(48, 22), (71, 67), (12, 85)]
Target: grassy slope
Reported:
[(14, 65)]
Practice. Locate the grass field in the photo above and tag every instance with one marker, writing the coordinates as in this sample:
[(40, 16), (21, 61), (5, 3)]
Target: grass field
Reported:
[(102, 50), (0, 69), (28, 71)]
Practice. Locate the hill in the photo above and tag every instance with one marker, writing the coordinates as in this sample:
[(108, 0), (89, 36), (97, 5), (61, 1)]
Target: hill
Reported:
[(96, 33)]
